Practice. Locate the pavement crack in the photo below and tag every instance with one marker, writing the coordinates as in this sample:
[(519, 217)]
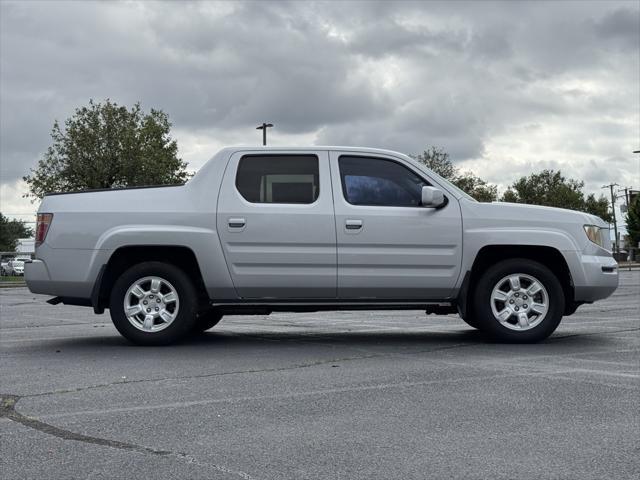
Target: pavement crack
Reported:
[(247, 371), (7, 410)]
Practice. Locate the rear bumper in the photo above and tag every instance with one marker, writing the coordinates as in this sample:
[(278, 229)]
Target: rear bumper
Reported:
[(596, 278), (38, 280), (37, 277)]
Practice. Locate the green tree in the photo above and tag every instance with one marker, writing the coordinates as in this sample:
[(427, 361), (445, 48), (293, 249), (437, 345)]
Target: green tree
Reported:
[(438, 160), (10, 232), (104, 145), (632, 220), (550, 188), (476, 187)]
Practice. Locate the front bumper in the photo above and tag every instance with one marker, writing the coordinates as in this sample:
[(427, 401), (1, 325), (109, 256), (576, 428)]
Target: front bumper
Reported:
[(597, 278)]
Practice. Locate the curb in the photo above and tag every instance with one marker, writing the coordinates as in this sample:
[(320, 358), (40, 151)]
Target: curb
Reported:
[(12, 284)]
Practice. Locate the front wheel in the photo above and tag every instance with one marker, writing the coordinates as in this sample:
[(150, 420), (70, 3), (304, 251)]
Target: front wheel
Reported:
[(518, 301), (153, 303)]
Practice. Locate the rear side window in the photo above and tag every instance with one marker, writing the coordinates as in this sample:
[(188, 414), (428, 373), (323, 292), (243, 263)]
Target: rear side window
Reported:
[(278, 178), (375, 181)]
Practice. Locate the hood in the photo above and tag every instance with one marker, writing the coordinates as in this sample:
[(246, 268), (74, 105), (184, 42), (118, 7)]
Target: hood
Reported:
[(531, 220), (539, 212)]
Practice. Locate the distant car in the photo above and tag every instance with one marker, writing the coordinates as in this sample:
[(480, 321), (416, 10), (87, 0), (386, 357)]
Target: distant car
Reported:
[(15, 267), (4, 265)]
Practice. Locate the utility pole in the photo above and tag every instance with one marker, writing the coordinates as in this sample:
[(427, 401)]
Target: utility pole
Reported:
[(264, 127), (613, 211)]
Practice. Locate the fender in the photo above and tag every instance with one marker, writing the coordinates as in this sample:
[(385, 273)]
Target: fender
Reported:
[(203, 242), (476, 239)]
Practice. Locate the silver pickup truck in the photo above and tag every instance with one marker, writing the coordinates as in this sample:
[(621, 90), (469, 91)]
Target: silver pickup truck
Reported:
[(264, 229)]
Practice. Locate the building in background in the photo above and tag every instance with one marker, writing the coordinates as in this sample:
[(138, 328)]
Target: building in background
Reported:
[(26, 246)]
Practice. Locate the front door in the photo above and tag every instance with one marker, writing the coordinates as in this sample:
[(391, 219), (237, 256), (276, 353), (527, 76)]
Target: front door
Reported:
[(276, 224), (389, 246)]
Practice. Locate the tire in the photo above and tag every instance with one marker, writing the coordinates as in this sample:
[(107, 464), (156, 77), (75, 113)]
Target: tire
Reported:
[(504, 309), (206, 320), (173, 316), (471, 321)]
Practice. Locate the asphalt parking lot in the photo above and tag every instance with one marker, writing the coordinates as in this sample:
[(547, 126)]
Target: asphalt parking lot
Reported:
[(350, 395)]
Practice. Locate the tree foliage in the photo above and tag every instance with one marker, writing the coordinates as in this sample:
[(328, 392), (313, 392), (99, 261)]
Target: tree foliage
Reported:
[(438, 160), (552, 189), (105, 145), (632, 220), (476, 187), (10, 232)]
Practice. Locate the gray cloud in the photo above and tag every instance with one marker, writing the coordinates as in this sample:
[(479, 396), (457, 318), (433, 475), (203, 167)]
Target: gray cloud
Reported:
[(517, 83)]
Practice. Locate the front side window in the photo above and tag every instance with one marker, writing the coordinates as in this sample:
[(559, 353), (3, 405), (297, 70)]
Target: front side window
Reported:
[(375, 181), (278, 178)]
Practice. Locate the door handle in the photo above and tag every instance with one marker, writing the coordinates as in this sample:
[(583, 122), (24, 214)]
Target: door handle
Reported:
[(353, 224), (237, 222)]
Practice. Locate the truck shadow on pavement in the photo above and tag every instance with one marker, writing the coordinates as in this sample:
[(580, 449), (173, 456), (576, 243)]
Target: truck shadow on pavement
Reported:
[(225, 341)]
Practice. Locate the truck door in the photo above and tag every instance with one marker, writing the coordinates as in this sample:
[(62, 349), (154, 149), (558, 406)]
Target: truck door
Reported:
[(276, 225), (389, 246)]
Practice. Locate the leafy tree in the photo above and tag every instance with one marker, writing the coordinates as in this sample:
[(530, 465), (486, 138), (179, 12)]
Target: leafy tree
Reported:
[(476, 187), (633, 221), (104, 145), (552, 189), (598, 206), (438, 160), (10, 232)]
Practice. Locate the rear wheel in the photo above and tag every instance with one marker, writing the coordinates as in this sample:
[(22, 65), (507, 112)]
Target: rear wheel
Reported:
[(518, 301), (153, 303)]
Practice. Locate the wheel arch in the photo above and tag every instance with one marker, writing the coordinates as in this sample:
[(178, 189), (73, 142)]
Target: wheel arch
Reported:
[(488, 255), (124, 257)]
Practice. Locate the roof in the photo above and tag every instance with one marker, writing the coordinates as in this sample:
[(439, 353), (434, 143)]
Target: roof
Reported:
[(283, 148)]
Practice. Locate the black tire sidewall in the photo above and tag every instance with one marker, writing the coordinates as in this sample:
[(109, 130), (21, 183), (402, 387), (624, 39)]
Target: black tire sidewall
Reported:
[(181, 325), (482, 301), (206, 320)]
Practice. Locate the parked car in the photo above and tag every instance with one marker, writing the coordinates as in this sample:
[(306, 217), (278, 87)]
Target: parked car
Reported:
[(15, 267), (259, 230), (4, 265)]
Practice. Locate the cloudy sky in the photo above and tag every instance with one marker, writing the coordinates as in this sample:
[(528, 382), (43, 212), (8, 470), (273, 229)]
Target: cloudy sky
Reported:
[(506, 88)]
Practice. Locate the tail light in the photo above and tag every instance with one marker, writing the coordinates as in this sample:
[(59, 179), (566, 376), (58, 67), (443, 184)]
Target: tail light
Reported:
[(42, 227)]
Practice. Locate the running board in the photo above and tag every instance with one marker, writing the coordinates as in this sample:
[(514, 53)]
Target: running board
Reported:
[(263, 308)]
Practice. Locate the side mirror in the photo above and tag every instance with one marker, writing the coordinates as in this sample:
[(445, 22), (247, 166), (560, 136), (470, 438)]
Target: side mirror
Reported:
[(432, 197)]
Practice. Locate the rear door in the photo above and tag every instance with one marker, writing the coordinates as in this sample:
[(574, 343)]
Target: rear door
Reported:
[(389, 246), (276, 224)]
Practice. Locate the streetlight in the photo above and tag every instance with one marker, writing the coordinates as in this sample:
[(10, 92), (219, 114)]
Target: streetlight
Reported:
[(264, 127)]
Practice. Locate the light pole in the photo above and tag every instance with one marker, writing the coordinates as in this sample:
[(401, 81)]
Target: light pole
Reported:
[(613, 212), (264, 127)]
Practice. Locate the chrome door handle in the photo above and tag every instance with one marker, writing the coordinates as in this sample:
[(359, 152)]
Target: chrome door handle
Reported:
[(237, 222), (353, 224)]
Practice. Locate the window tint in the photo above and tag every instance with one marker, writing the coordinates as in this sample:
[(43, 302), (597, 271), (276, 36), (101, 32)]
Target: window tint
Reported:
[(374, 181), (278, 178)]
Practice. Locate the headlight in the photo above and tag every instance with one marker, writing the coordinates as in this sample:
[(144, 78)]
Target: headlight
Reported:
[(594, 234)]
